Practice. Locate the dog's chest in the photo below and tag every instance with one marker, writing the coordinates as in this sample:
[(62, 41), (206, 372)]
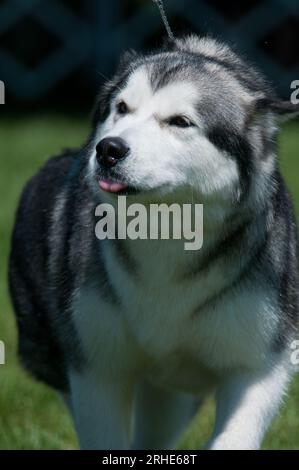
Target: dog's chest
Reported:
[(155, 327), (156, 300), (149, 337)]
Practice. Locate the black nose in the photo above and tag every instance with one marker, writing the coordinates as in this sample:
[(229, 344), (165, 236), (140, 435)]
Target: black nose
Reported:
[(110, 150)]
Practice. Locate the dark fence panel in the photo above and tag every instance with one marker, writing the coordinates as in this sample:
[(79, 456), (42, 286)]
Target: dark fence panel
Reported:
[(58, 51)]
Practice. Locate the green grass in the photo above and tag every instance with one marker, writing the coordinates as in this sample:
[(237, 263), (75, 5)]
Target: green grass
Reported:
[(31, 415)]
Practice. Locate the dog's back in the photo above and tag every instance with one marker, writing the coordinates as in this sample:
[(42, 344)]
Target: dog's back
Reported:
[(31, 285)]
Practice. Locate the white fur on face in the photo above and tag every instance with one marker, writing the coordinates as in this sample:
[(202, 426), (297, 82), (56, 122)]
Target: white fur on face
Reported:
[(164, 156)]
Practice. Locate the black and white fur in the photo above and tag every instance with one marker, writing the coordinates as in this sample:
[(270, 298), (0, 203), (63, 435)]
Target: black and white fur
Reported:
[(135, 334)]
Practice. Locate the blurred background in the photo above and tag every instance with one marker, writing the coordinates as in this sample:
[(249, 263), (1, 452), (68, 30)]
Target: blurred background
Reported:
[(54, 56), (54, 52)]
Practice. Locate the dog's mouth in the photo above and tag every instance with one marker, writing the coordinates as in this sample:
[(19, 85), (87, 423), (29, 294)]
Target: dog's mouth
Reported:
[(111, 186), (115, 186)]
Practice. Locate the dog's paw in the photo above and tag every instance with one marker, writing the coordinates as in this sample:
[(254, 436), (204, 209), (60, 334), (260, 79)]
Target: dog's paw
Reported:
[(228, 442)]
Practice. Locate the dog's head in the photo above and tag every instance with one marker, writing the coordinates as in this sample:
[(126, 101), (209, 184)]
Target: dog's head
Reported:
[(191, 117)]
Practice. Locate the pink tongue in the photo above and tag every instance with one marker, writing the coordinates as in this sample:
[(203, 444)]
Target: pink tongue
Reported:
[(111, 186)]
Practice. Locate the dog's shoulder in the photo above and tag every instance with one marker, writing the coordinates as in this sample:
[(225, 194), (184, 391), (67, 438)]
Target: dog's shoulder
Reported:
[(34, 213), (52, 174), (42, 189)]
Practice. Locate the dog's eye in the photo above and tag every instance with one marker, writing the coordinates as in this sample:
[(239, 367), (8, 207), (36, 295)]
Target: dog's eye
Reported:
[(180, 121), (122, 108)]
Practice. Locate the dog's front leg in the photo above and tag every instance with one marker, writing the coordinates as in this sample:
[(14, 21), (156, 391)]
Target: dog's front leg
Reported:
[(161, 415), (246, 405), (102, 411)]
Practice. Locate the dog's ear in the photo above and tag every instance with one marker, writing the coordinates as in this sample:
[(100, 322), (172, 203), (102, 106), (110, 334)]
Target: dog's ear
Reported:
[(284, 110), (126, 59), (101, 107)]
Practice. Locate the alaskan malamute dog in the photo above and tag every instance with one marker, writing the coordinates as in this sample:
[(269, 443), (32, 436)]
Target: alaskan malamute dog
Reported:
[(135, 333)]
